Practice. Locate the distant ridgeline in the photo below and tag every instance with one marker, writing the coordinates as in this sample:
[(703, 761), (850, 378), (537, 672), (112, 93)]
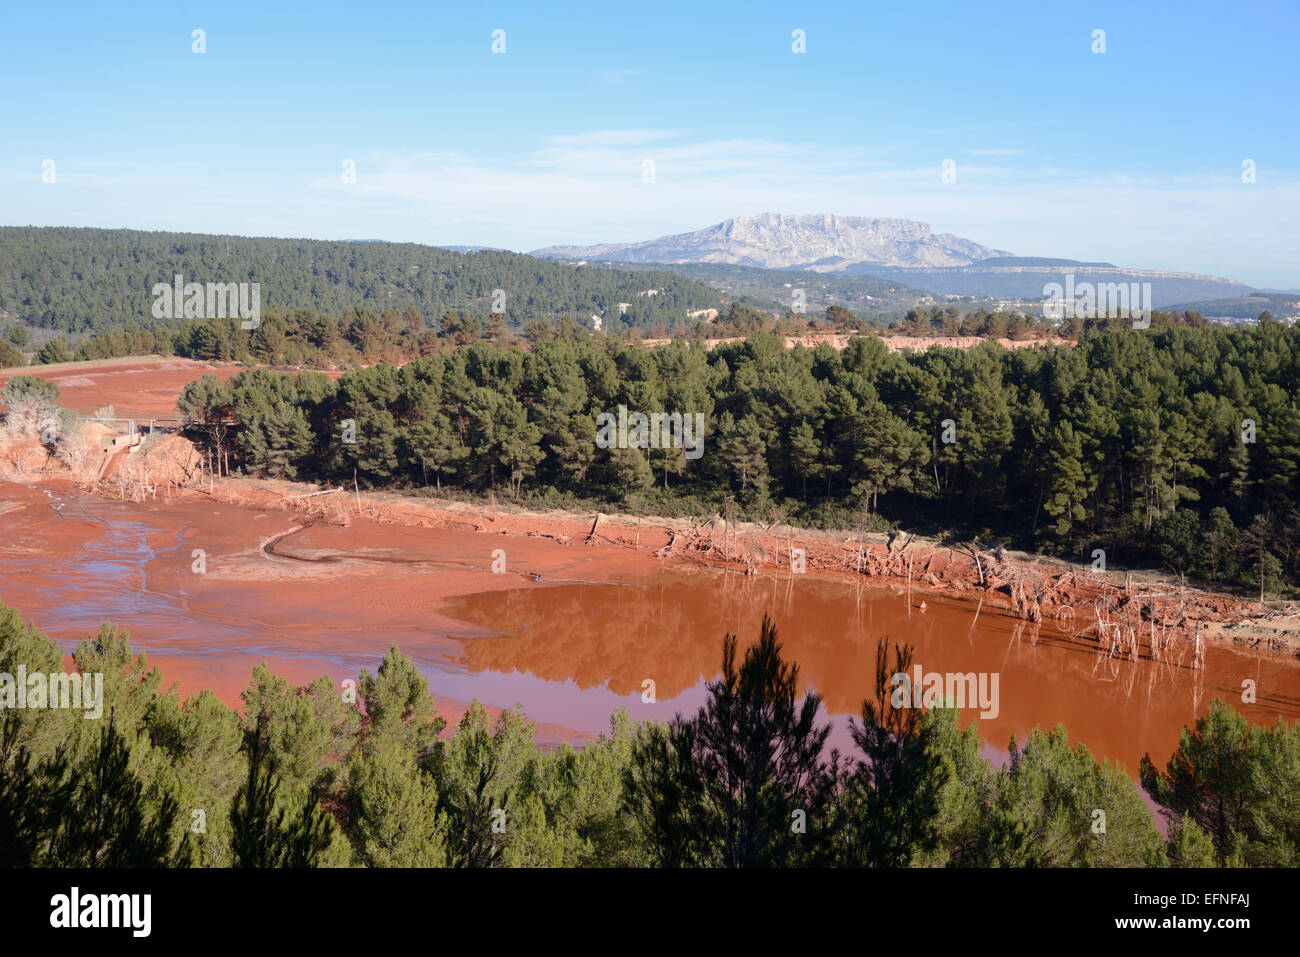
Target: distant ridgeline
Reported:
[(767, 289), (92, 280), (1283, 306), (1024, 277)]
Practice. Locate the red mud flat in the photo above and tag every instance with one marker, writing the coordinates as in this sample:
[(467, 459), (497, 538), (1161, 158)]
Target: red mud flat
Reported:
[(69, 562), (573, 626), (136, 387)]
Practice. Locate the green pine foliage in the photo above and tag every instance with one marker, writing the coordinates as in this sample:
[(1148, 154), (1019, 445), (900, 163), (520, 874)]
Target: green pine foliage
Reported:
[(1235, 782), (96, 280), (744, 783), (315, 776), (10, 356)]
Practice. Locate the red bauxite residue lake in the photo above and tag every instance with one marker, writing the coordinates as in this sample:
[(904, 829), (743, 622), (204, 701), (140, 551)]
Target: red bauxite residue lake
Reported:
[(570, 632)]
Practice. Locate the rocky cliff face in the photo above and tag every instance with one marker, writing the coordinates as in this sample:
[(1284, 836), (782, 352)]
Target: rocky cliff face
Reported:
[(826, 243)]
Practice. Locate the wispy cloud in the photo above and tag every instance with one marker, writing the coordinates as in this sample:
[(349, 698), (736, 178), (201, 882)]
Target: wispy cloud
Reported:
[(611, 138), (592, 186), (611, 185)]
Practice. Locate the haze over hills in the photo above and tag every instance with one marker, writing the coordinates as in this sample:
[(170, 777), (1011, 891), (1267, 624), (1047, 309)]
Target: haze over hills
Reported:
[(1281, 305), (901, 250), (1021, 279)]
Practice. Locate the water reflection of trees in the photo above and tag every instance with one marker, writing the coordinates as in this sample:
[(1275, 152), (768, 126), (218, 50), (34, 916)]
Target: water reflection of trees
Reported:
[(671, 631), (594, 635)]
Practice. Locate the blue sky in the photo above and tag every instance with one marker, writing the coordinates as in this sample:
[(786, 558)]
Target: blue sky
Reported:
[(1132, 156)]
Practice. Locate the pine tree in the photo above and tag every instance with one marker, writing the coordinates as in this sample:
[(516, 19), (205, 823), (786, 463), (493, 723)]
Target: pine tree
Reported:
[(396, 821), (1067, 484), (258, 831), (1208, 777), (478, 772), (805, 455), (112, 819), (270, 831), (729, 786)]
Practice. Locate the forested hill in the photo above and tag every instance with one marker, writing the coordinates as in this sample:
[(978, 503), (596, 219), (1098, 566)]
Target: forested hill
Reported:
[(89, 280)]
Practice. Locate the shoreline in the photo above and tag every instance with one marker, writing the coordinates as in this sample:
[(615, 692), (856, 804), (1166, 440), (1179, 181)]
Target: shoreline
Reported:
[(326, 590), (1129, 608)]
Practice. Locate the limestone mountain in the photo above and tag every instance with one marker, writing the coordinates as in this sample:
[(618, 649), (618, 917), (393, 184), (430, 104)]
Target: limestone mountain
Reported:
[(825, 243), (901, 251)]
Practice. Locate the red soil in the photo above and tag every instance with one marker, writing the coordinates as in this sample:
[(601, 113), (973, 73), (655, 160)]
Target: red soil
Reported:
[(136, 388)]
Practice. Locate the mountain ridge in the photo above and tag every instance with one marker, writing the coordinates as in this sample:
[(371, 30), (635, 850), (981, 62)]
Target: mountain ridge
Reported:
[(900, 250), (822, 242)]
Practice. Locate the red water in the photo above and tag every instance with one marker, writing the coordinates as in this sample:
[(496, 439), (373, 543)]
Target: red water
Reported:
[(586, 638), (570, 652)]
